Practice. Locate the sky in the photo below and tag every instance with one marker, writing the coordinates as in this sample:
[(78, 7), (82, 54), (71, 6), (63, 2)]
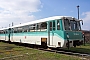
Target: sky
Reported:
[(22, 11)]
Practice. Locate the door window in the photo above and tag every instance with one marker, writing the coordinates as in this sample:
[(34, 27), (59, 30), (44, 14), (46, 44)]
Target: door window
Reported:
[(58, 25)]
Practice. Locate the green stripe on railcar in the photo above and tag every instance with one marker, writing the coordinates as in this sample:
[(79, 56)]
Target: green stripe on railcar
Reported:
[(73, 35)]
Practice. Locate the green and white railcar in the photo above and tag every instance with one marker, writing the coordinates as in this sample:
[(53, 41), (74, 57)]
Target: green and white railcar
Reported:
[(56, 31)]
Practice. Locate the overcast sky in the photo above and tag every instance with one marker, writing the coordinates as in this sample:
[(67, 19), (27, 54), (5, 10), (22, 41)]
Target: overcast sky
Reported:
[(22, 11)]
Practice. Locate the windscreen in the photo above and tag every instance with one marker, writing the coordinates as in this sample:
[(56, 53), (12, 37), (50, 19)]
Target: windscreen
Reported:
[(71, 25), (66, 24)]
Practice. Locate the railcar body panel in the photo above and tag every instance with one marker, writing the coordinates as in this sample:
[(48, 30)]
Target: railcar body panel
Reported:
[(35, 38)]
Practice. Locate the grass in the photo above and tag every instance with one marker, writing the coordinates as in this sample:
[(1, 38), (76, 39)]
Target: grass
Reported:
[(82, 48), (10, 50)]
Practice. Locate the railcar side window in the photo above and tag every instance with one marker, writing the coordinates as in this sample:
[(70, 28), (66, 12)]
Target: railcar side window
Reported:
[(19, 29), (25, 28), (50, 26), (32, 27), (53, 25), (38, 26), (15, 30), (1, 32), (58, 25), (6, 32), (43, 26)]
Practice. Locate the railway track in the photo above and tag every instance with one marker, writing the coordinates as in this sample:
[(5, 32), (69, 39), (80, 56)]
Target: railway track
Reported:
[(68, 52)]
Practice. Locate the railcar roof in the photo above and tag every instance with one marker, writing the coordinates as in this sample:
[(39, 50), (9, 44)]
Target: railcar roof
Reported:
[(4, 28), (43, 20), (40, 20)]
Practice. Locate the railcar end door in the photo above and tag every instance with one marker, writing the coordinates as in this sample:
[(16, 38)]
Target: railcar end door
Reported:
[(9, 34)]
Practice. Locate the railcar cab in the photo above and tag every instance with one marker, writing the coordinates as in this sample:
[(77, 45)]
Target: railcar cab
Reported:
[(72, 32)]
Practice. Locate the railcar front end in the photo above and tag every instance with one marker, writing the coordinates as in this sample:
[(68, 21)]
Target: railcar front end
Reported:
[(72, 32)]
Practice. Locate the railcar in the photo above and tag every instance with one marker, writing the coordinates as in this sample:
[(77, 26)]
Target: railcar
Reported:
[(56, 32)]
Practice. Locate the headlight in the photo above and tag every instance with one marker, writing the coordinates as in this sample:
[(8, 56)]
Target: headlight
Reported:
[(67, 36)]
